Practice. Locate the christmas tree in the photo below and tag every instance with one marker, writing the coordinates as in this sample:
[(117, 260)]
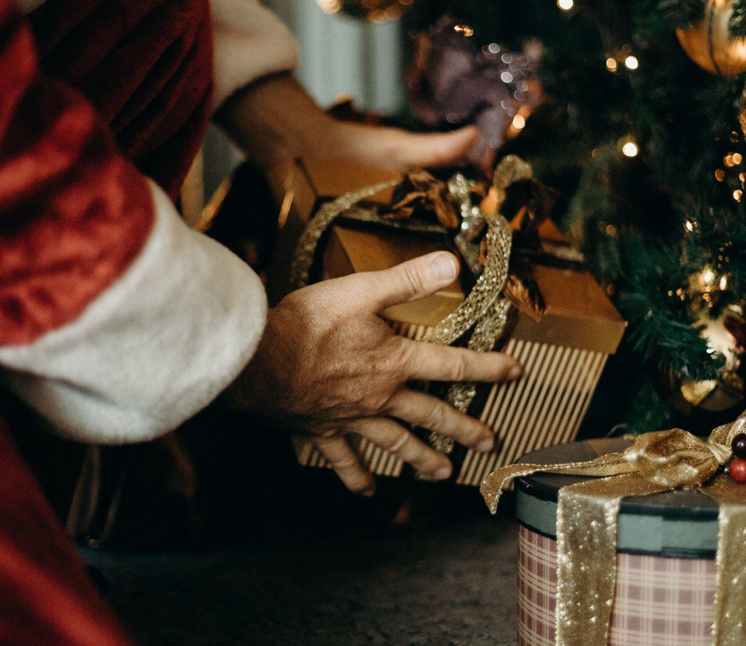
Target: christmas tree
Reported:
[(642, 131)]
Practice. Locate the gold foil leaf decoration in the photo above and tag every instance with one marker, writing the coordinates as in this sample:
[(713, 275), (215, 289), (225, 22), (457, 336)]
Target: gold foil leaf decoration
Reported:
[(524, 294), (421, 194)]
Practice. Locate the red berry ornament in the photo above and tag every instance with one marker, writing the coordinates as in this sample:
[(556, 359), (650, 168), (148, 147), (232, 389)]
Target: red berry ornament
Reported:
[(738, 469)]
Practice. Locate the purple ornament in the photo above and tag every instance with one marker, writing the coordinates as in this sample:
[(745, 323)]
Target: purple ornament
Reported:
[(452, 82)]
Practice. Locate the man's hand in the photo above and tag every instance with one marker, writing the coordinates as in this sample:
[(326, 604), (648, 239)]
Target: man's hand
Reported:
[(328, 366), (275, 122)]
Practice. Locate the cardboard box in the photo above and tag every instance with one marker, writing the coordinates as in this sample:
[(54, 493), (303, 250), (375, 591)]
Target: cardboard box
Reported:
[(563, 355)]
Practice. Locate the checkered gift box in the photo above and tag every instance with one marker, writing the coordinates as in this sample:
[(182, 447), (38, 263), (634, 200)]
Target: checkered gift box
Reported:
[(659, 601), (666, 570)]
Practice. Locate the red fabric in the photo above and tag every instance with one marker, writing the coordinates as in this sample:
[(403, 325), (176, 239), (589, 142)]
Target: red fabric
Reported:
[(146, 65), (73, 212), (47, 597)]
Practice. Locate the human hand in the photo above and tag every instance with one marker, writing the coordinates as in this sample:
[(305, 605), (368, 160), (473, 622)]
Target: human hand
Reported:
[(328, 366), (275, 122), (399, 150)]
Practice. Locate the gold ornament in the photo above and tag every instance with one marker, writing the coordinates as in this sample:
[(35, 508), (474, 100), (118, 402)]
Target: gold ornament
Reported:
[(699, 405), (372, 10), (708, 42)]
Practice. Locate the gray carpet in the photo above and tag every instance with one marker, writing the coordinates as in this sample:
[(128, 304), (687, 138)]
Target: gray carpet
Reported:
[(452, 585)]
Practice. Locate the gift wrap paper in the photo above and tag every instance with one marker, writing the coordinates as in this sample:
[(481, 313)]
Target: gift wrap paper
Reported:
[(658, 601)]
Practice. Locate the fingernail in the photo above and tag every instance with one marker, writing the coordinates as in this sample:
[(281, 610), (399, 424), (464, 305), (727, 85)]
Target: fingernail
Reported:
[(485, 445), (445, 267), (368, 493), (514, 373), (442, 473)]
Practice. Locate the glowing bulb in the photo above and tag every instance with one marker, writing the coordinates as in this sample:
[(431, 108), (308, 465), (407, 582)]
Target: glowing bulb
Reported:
[(708, 275), (329, 6), (737, 158), (719, 174), (689, 225), (519, 123), (631, 62), (723, 282), (737, 194), (464, 29), (611, 64), (565, 5), (630, 149)]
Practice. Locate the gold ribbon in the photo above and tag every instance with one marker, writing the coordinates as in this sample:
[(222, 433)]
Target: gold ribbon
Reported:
[(587, 517), (484, 311)]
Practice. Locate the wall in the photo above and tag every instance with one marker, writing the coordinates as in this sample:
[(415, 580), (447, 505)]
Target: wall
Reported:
[(338, 56)]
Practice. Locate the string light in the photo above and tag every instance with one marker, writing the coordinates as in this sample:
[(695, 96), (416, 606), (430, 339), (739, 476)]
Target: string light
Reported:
[(611, 64), (719, 174), (519, 123), (689, 225), (737, 194), (464, 29), (329, 6), (631, 63), (565, 5), (629, 147)]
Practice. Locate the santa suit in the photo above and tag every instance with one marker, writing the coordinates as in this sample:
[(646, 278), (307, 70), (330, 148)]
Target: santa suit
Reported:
[(117, 322)]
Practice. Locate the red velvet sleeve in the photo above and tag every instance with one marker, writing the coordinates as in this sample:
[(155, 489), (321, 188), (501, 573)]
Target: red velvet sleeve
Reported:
[(73, 212), (47, 598)]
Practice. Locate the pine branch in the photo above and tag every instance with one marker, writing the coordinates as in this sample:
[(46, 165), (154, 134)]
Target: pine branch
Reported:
[(737, 22), (681, 14)]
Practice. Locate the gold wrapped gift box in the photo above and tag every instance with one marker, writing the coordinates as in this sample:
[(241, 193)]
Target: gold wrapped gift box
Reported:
[(563, 355)]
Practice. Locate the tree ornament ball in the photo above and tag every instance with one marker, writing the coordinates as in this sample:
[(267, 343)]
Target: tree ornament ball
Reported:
[(371, 10), (700, 406), (708, 42), (738, 470), (739, 446)]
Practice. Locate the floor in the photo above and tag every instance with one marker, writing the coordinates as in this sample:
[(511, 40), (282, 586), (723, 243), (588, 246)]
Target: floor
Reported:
[(446, 584)]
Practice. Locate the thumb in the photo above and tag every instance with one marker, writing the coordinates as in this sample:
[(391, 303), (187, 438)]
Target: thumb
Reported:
[(410, 280)]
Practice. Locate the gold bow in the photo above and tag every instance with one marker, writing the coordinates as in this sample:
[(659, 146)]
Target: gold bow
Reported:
[(587, 515)]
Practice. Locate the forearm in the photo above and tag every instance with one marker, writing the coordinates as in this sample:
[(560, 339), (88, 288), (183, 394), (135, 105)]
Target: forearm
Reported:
[(275, 121)]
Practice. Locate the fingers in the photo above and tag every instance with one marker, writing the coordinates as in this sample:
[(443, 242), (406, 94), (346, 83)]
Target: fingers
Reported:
[(429, 362), (394, 438), (346, 464), (406, 282), (434, 414), (415, 150)]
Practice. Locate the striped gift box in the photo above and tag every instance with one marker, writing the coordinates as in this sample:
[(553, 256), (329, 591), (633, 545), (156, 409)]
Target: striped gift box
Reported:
[(563, 355), (545, 408), (666, 570)]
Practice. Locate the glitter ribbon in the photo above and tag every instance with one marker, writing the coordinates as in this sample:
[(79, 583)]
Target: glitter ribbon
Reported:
[(587, 518), (484, 311)]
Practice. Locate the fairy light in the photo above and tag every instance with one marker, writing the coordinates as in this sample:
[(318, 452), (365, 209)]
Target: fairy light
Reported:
[(689, 226), (630, 149), (464, 30), (719, 174), (723, 282), (330, 6), (708, 276), (631, 63), (737, 195), (611, 64), (565, 5), (519, 122), (737, 158)]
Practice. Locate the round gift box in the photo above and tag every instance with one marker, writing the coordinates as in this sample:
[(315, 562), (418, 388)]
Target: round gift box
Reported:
[(665, 586)]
